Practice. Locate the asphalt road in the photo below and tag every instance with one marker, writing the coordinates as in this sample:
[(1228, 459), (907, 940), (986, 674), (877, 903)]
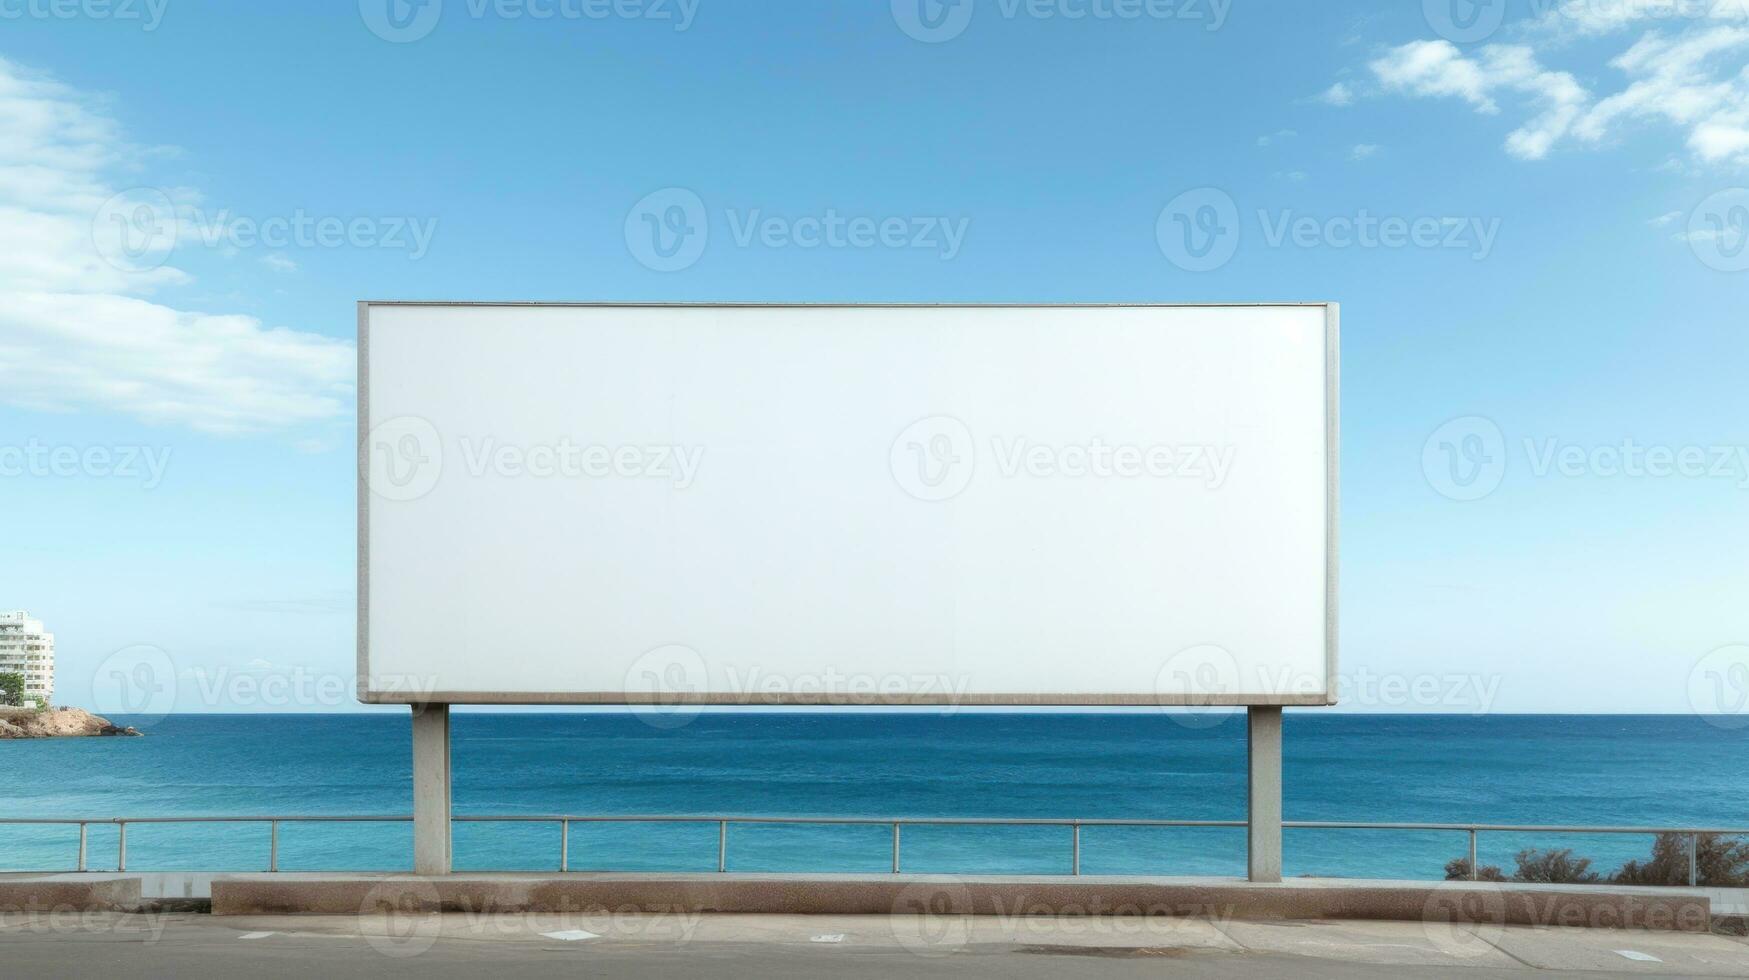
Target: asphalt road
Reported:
[(768, 948)]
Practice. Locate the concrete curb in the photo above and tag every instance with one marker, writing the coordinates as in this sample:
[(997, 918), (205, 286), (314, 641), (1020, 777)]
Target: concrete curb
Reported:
[(68, 893), (939, 895)]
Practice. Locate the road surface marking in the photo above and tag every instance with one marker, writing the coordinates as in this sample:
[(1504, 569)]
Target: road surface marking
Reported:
[(570, 935)]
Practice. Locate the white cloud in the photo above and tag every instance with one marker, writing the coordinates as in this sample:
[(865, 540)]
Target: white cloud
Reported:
[(1338, 94), (78, 331), (1594, 18), (1363, 150), (1435, 69), (1696, 80), (278, 262), (1675, 81), (1667, 218)]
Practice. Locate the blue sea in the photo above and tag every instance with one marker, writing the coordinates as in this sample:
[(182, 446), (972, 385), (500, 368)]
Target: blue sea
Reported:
[(1598, 770)]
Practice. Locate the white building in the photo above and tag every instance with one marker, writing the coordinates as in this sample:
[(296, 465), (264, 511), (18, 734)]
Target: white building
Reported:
[(25, 648)]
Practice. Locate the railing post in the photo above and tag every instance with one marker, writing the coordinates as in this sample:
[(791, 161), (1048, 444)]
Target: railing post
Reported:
[(564, 845), (722, 845), (82, 846), (1075, 862), (1474, 871), (1693, 860), (895, 847), (272, 846), (121, 847)]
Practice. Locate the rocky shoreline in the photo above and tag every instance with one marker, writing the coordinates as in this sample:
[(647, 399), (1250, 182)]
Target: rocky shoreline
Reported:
[(57, 723)]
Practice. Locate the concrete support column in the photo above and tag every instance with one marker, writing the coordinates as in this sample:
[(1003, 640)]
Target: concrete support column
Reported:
[(1263, 797), (431, 847)]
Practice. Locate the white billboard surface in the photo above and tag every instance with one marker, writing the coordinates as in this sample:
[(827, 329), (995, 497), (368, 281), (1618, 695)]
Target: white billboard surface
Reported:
[(847, 504)]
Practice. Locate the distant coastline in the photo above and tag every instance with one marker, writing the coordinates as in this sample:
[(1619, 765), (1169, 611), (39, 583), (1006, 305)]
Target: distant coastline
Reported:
[(57, 723)]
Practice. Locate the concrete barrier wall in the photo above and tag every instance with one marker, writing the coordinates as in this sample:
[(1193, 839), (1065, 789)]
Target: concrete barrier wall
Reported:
[(68, 893), (1454, 902)]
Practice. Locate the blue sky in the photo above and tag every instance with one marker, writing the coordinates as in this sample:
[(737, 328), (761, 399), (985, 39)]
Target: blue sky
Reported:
[(1560, 270)]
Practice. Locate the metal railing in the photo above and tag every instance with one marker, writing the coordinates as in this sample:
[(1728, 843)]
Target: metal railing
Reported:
[(564, 822)]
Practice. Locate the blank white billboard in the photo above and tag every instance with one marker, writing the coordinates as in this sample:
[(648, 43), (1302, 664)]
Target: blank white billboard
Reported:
[(617, 504)]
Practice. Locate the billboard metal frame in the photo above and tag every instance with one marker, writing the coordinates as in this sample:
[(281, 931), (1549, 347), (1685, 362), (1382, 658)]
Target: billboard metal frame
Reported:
[(414, 697)]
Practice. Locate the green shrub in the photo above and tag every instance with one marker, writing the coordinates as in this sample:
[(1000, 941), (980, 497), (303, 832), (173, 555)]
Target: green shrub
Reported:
[(1719, 861), (1555, 867), (1458, 869), (12, 690), (1538, 866)]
